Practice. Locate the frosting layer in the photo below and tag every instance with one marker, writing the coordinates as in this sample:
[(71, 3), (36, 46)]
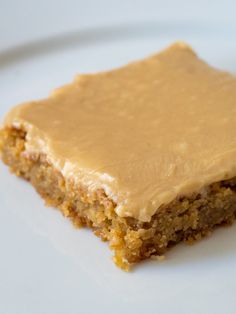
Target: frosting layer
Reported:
[(146, 133)]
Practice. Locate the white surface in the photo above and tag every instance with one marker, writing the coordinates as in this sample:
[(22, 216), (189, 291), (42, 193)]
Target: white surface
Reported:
[(24, 20), (46, 266)]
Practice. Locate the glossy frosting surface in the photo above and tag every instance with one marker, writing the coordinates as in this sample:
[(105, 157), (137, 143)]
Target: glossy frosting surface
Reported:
[(146, 133)]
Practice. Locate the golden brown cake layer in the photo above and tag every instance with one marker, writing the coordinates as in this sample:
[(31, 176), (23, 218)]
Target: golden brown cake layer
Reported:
[(146, 134), (184, 219)]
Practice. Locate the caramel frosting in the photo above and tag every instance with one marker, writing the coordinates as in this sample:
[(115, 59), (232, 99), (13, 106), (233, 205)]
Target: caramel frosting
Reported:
[(146, 133)]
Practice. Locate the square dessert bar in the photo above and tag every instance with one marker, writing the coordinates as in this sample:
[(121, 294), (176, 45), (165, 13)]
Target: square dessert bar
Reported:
[(145, 154)]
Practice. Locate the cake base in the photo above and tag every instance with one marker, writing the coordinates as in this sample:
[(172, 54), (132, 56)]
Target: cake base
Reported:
[(184, 219)]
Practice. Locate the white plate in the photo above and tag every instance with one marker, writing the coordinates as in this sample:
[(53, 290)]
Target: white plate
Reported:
[(46, 266)]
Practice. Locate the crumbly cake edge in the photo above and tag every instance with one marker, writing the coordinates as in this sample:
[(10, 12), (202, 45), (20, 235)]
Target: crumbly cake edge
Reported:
[(185, 219)]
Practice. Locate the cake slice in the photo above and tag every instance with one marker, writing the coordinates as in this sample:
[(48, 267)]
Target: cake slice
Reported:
[(145, 154)]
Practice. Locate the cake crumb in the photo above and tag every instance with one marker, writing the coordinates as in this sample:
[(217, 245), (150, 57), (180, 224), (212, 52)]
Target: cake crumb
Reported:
[(158, 258)]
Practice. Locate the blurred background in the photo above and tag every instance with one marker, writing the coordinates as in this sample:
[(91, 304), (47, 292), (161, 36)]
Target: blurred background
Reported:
[(31, 19)]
